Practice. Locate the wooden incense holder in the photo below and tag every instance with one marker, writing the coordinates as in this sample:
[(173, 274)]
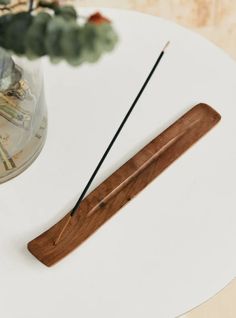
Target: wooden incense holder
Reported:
[(123, 185)]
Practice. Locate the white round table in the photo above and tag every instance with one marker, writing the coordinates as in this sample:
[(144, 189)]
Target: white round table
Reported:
[(187, 251)]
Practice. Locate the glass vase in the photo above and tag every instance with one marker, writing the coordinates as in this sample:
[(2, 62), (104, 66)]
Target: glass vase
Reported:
[(23, 116)]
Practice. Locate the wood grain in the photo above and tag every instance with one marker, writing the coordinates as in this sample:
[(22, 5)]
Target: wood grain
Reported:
[(124, 184)]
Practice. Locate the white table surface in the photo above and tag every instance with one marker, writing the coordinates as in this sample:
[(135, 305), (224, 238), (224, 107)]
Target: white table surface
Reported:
[(187, 251)]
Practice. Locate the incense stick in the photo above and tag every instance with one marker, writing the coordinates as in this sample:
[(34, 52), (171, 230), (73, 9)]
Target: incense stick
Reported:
[(75, 208)]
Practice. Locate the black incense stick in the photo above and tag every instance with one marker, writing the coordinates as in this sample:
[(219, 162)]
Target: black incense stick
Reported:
[(112, 141)]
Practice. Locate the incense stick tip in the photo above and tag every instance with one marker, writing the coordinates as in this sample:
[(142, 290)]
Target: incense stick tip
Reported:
[(166, 46)]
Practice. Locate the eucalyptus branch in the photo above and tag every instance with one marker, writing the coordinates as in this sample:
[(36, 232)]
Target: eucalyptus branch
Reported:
[(55, 31)]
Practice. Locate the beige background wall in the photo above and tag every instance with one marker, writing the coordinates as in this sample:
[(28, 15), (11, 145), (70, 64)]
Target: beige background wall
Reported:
[(215, 19)]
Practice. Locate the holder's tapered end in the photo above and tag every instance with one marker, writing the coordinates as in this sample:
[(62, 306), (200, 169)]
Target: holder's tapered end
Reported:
[(49, 247)]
